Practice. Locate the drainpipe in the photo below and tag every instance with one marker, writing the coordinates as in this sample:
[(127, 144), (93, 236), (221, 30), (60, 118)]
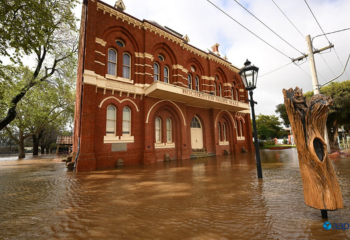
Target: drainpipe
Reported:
[(85, 3)]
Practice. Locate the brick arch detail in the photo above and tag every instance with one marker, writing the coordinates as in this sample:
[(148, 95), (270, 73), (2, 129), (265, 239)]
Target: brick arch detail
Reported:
[(150, 110), (125, 32), (241, 117), (164, 47), (217, 116), (120, 101), (194, 61)]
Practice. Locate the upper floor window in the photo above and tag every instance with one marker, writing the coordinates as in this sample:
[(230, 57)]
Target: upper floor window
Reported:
[(112, 62), (120, 43), (189, 81), (161, 58), (126, 65), (169, 130), (126, 121), (224, 131), (111, 120), (193, 69), (220, 93), (197, 83), (166, 74), (158, 128), (214, 88), (236, 94), (236, 128), (232, 93), (156, 71)]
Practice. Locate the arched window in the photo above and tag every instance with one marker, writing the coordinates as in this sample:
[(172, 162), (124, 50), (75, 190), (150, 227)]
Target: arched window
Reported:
[(214, 88), (236, 128), (240, 128), (111, 117), (197, 84), (158, 130), (236, 94), (219, 131), (232, 96), (195, 123), (166, 74), (220, 93), (126, 121), (169, 130), (156, 71), (112, 62), (126, 65), (224, 131), (189, 81), (120, 43)]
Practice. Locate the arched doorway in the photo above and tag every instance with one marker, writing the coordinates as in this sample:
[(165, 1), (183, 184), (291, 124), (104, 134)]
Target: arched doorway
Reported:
[(196, 134)]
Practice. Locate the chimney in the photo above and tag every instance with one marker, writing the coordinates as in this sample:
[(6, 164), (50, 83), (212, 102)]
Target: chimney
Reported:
[(120, 5), (215, 49)]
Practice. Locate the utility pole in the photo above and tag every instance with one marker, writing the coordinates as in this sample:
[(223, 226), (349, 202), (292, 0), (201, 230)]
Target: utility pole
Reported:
[(315, 84)]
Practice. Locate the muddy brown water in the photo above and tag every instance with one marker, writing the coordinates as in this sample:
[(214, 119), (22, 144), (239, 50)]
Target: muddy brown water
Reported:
[(208, 198)]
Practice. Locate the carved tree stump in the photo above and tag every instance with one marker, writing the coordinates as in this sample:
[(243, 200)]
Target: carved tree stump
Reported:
[(308, 119)]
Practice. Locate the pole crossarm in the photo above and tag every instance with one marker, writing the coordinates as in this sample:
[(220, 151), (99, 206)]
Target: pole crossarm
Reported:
[(316, 51)]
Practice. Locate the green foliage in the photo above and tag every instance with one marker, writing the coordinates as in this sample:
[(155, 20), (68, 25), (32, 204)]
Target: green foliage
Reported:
[(45, 30), (281, 109), (268, 127), (285, 141)]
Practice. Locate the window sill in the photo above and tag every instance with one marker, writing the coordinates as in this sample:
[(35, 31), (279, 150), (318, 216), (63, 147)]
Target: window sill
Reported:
[(224, 143), (164, 145), (240, 138), (119, 79), (117, 139)]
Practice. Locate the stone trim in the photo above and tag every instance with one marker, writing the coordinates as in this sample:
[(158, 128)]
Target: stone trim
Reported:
[(164, 145), (100, 41), (100, 53), (100, 63)]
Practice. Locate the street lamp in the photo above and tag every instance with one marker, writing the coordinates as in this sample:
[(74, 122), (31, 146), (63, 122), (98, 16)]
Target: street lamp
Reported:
[(249, 75)]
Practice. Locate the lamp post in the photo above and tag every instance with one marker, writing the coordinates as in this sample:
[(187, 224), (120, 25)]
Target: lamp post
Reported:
[(249, 75)]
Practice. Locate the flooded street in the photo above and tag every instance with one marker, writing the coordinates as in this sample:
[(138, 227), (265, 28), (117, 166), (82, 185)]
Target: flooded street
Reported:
[(208, 198)]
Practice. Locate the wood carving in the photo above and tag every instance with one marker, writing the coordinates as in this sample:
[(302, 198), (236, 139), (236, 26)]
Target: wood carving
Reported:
[(308, 119)]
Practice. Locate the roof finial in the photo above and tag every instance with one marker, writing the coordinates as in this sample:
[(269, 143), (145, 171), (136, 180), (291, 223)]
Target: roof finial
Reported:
[(120, 5), (186, 38)]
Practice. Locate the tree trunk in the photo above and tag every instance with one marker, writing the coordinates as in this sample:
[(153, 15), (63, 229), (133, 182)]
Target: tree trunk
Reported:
[(42, 149), (332, 130), (35, 145), (308, 119), (47, 150), (21, 151)]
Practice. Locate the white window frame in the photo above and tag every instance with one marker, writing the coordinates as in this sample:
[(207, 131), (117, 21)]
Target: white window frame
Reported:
[(214, 88), (197, 83), (109, 133), (158, 130), (115, 63), (220, 90), (189, 78), (129, 121), (126, 66), (224, 131), (236, 94), (155, 74), (169, 131), (166, 76)]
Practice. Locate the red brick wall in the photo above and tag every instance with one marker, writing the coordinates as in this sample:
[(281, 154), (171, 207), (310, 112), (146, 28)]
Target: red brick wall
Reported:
[(94, 153)]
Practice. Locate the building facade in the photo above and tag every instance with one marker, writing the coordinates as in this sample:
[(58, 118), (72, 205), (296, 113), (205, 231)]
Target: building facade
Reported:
[(144, 92)]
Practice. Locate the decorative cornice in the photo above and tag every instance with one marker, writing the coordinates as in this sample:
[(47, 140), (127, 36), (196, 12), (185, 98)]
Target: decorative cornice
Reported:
[(147, 26)]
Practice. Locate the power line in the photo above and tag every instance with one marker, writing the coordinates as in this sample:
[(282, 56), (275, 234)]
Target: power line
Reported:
[(267, 26), (275, 70), (345, 29), (341, 63), (317, 21), (248, 30), (304, 71), (288, 19)]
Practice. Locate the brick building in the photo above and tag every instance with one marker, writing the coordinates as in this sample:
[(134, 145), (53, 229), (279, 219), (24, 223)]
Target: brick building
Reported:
[(143, 91)]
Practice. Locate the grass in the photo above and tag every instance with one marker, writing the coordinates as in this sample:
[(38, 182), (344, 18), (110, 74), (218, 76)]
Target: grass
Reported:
[(280, 145)]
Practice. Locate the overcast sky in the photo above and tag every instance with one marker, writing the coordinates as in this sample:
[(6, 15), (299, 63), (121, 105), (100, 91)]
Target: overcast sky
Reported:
[(206, 25)]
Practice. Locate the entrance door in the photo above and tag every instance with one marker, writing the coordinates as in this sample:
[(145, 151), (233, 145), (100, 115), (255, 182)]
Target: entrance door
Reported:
[(196, 134)]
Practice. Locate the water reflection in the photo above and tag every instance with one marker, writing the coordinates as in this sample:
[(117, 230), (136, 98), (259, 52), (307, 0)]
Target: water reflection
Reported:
[(211, 198)]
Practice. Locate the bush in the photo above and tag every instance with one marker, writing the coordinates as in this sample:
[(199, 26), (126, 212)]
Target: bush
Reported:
[(261, 144), (285, 141), (270, 143)]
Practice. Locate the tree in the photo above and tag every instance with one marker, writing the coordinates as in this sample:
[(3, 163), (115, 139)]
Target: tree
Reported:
[(36, 111), (339, 113), (45, 29), (268, 126), (281, 109)]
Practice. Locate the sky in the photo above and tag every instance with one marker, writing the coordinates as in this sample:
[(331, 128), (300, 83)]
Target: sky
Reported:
[(206, 25)]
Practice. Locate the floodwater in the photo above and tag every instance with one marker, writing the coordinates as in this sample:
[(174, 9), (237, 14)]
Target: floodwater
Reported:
[(209, 198)]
